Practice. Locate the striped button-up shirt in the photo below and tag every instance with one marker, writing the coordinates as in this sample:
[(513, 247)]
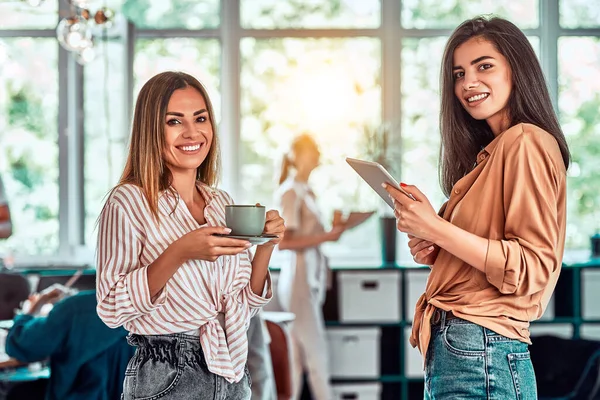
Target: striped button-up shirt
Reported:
[(130, 239)]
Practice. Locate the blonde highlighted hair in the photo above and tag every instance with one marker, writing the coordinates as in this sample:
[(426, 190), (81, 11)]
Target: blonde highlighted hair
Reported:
[(145, 166), (300, 143)]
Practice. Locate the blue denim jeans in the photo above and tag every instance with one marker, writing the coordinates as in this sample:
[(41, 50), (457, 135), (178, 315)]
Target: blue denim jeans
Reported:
[(172, 367), (467, 361)]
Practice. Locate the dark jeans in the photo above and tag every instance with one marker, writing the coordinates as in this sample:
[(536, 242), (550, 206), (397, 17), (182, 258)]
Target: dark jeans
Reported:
[(172, 367)]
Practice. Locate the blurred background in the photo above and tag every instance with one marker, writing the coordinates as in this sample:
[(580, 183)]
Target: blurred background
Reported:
[(336, 68)]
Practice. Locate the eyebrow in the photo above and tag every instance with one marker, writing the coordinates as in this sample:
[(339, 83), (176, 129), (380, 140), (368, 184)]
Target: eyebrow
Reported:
[(475, 61), (178, 114)]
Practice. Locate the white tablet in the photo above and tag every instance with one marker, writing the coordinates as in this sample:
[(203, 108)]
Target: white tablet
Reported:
[(374, 174)]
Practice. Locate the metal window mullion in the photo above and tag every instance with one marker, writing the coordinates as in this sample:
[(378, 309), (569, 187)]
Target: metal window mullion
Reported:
[(32, 33), (76, 156), (63, 152), (549, 33), (391, 43), (309, 33), (229, 133), (129, 38)]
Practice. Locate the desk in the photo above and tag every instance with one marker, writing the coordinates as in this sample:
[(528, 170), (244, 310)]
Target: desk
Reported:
[(24, 374), (6, 324)]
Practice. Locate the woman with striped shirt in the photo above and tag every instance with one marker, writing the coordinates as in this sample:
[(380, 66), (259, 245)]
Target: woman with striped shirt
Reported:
[(185, 295)]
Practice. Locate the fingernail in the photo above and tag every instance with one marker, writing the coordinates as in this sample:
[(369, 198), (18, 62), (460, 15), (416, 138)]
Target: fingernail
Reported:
[(227, 230), (403, 184), (384, 185), (430, 248)]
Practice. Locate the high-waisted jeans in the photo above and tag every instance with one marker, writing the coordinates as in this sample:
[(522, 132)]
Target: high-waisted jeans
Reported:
[(172, 367), (468, 361)]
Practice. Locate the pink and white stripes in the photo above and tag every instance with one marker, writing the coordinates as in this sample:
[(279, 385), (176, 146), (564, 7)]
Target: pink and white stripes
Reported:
[(129, 239)]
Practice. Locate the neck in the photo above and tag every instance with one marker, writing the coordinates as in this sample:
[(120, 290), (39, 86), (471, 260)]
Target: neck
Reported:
[(185, 184), (498, 122)]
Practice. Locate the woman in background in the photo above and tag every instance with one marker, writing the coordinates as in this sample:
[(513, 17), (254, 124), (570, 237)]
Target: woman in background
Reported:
[(185, 293), (496, 247), (302, 282)]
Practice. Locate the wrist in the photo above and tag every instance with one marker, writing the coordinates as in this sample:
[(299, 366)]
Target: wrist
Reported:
[(439, 230), (177, 252)]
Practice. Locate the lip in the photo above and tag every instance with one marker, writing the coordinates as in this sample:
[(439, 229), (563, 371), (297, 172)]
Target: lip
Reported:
[(180, 147), (475, 103)]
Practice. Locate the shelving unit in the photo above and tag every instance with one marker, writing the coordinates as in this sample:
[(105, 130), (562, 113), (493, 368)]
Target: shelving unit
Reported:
[(575, 306)]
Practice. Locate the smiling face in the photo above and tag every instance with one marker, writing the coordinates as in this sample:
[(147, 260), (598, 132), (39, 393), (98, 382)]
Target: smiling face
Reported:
[(482, 82), (188, 131)]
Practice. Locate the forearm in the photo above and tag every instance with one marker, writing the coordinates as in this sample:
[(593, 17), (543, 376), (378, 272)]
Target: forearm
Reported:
[(294, 242), (163, 268), (260, 268), (470, 248)]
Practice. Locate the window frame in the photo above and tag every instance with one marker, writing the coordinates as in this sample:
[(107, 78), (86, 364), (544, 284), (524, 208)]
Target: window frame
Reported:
[(70, 136)]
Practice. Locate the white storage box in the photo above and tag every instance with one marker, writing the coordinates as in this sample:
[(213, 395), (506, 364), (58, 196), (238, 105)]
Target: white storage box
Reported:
[(415, 287), (413, 361), (362, 391), (590, 283), (354, 352), (590, 331), (369, 296), (564, 331)]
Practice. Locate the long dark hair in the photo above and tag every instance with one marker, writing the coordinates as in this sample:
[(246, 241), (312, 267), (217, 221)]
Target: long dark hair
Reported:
[(463, 137)]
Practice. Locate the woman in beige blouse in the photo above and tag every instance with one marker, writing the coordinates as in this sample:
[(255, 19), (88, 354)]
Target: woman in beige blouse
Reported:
[(302, 281), (496, 246)]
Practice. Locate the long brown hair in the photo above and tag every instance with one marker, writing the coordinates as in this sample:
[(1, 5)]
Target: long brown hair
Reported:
[(299, 144), (145, 166), (463, 137)]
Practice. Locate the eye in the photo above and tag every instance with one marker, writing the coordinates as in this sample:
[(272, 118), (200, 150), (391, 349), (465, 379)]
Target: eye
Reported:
[(485, 66), (173, 122), (459, 74), (201, 118)]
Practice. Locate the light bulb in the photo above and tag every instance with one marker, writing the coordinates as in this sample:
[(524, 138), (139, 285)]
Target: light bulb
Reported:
[(73, 33), (86, 55)]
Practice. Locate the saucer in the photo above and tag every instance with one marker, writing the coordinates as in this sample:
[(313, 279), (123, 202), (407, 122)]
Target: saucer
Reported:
[(262, 239)]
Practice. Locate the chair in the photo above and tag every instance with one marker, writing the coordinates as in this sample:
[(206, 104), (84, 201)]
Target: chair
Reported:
[(14, 289), (281, 359)]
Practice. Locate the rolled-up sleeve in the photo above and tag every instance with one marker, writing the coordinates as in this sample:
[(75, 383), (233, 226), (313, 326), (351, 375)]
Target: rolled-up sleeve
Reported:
[(523, 261), (122, 281)]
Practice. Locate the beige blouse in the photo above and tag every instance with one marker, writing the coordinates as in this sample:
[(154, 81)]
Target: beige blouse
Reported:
[(516, 197)]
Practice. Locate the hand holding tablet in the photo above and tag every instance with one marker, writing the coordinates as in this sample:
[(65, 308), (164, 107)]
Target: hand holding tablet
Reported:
[(375, 175)]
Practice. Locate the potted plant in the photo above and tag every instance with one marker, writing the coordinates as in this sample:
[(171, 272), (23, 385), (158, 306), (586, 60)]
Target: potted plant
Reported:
[(381, 144)]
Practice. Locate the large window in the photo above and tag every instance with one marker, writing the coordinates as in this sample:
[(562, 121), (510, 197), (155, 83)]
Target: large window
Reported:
[(28, 128), (274, 69)]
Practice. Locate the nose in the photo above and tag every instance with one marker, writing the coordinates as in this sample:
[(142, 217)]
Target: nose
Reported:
[(470, 82), (190, 130)]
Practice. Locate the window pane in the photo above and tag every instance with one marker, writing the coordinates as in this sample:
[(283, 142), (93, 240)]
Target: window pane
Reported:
[(328, 87), (421, 61), (172, 14), (579, 13), (423, 14), (28, 142), (579, 102), (272, 14), (20, 15), (198, 57), (106, 126)]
